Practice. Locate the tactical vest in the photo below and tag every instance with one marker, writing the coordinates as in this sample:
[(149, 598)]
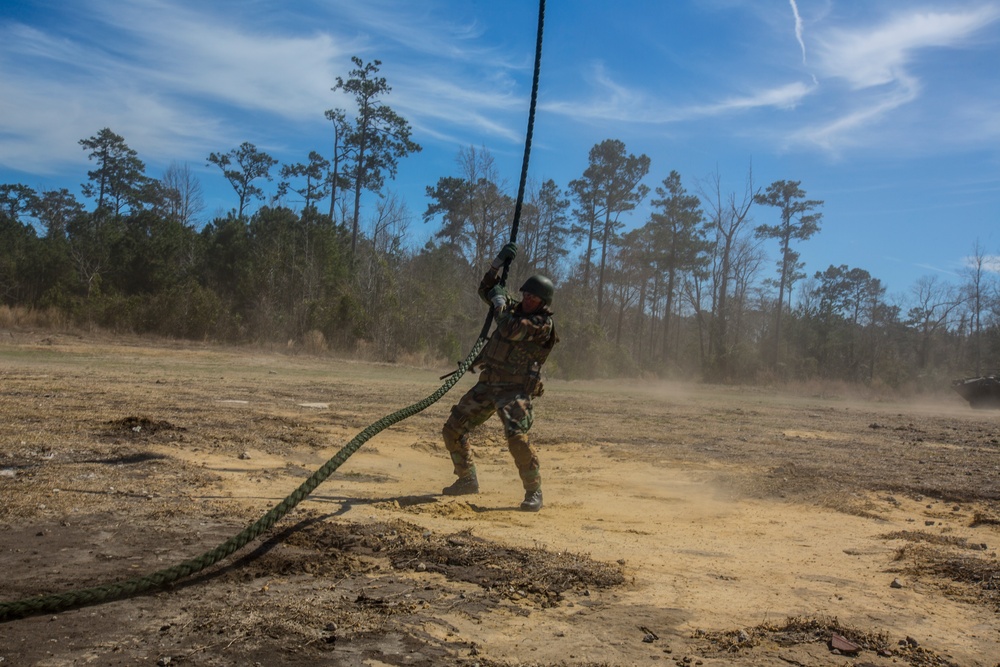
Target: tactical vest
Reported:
[(520, 359)]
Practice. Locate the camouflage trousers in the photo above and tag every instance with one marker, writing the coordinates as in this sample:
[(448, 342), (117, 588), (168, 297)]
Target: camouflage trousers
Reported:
[(513, 405)]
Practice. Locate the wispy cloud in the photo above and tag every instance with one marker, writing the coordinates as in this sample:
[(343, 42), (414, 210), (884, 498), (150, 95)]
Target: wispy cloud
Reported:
[(882, 54), (440, 106), (45, 116), (781, 97), (202, 53), (988, 263), (842, 131), (611, 100), (151, 72), (937, 269), (173, 76), (877, 67)]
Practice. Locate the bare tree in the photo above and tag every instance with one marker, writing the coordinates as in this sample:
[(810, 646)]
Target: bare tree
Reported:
[(976, 291), (390, 224), (933, 304), (728, 216), (184, 195), (748, 258)]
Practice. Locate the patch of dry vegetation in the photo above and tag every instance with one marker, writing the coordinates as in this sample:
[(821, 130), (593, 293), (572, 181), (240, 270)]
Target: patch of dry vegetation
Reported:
[(823, 631), (374, 580), (19, 317), (945, 562)]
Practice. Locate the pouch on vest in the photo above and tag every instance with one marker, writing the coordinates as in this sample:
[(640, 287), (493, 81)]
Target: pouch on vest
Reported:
[(533, 386)]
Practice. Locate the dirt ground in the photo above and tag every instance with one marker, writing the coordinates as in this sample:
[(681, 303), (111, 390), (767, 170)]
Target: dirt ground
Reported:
[(683, 525)]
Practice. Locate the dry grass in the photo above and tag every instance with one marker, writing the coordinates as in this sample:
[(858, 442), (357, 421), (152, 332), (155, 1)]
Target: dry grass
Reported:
[(944, 561), (47, 319)]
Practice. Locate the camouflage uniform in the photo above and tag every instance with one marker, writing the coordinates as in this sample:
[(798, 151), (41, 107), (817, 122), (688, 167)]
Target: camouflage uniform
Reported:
[(510, 363)]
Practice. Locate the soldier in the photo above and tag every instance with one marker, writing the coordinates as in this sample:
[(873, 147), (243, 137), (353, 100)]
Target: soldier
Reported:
[(511, 363)]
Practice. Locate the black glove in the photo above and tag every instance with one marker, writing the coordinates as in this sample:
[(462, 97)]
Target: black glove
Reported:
[(498, 297), (506, 254)]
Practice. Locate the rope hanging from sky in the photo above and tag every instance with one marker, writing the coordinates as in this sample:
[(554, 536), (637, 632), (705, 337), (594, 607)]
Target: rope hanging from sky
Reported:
[(528, 134)]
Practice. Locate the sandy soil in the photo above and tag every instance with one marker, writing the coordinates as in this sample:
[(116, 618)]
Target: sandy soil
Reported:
[(688, 525)]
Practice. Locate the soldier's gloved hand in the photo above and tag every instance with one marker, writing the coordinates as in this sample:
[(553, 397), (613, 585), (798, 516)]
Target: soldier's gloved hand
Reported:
[(506, 254), (498, 297)]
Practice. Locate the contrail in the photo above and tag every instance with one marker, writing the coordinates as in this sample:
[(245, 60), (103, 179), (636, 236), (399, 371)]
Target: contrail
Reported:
[(798, 29), (798, 35)]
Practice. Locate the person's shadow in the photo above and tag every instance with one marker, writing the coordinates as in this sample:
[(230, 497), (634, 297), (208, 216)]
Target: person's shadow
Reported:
[(403, 501)]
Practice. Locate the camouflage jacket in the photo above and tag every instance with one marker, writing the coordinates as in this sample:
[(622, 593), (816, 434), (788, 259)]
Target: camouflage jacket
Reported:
[(521, 341)]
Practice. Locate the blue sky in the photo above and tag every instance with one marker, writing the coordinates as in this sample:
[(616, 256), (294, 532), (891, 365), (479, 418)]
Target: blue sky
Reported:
[(888, 111)]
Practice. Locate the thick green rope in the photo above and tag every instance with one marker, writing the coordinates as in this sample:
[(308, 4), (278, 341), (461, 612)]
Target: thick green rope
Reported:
[(48, 604)]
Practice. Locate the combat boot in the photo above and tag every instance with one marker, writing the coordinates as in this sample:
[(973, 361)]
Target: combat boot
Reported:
[(462, 486), (532, 501)]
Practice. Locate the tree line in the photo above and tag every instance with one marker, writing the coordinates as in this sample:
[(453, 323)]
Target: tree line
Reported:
[(688, 292)]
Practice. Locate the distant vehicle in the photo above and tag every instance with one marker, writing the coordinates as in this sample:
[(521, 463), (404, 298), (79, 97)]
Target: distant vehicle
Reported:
[(981, 392)]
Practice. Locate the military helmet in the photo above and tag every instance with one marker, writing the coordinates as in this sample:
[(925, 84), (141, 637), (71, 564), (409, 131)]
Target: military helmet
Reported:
[(541, 287)]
